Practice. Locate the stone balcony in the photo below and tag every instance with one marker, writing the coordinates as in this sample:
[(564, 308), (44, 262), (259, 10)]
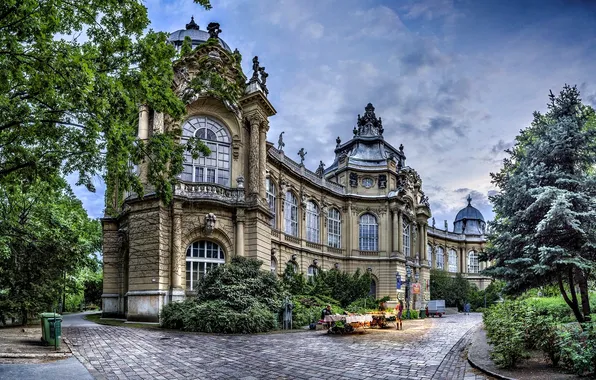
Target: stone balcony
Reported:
[(210, 192)]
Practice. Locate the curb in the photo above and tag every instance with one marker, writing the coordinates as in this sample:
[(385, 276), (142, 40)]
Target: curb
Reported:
[(92, 371), (487, 371), (52, 355)]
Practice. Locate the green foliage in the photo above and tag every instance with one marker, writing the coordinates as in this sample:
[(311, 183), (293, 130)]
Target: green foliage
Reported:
[(578, 348), (293, 282), (505, 329), (232, 298), (47, 239), (308, 308), (365, 304), (65, 100), (543, 232), (342, 286), (414, 314), (186, 47), (454, 290)]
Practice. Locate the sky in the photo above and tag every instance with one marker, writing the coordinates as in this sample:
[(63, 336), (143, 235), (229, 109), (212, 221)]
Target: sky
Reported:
[(454, 81)]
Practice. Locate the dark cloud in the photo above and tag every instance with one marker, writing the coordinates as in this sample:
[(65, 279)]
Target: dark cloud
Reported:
[(422, 55), (500, 146)]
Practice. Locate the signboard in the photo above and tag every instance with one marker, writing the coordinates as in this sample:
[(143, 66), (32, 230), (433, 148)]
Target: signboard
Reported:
[(397, 281), (416, 288)]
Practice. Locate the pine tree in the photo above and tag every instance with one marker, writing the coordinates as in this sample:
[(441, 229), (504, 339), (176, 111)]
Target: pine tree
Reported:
[(544, 231), (186, 47)]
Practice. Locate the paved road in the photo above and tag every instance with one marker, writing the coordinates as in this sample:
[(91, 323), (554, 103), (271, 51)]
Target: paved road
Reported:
[(436, 352)]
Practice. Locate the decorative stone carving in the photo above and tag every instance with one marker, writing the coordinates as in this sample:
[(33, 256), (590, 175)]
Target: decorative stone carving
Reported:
[(123, 238), (264, 76), (337, 141), (236, 143), (213, 29), (446, 226), (255, 69), (302, 153), (181, 80), (382, 181), (280, 142), (320, 169), (209, 225), (369, 124), (424, 200), (240, 181), (433, 222), (353, 180)]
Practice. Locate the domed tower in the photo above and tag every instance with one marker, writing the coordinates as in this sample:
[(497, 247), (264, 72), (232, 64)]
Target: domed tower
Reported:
[(196, 35), (469, 220)]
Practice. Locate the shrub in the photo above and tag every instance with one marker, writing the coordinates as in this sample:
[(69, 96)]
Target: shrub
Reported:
[(578, 347), (307, 309), (505, 328), (232, 298)]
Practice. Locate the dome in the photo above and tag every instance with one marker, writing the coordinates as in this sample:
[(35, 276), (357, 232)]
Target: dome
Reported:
[(469, 220), (197, 36)]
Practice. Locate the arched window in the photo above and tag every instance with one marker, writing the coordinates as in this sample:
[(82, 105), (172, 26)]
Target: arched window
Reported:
[(270, 189), (369, 233), (292, 266), (312, 222), (215, 167), (429, 254), (273, 265), (473, 266), (373, 288), (406, 238), (201, 257), (334, 228), (291, 214), (452, 261), (440, 258), (311, 273)]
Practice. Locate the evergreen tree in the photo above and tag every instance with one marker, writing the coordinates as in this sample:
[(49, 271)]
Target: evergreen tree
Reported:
[(544, 229), (186, 48)]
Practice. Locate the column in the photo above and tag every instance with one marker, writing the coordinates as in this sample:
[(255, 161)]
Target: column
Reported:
[(240, 235), (177, 250), (253, 163), (263, 160), (143, 134), (400, 237), (395, 232)]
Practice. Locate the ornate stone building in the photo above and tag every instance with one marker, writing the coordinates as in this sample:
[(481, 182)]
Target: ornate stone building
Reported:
[(366, 210)]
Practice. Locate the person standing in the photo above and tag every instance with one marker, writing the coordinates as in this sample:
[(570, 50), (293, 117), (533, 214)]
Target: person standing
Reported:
[(400, 309)]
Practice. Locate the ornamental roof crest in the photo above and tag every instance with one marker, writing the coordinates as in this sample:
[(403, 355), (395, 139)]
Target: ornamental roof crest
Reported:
[(369, 124)]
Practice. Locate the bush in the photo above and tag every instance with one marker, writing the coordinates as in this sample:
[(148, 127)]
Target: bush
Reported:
[(307, 309), (232, 298), (578, 347), (505, 328)]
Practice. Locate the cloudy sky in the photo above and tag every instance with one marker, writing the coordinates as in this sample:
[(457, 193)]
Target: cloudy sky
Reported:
[(453, 80)]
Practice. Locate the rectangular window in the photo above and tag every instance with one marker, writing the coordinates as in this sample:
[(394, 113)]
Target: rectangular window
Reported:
[(210, 175)]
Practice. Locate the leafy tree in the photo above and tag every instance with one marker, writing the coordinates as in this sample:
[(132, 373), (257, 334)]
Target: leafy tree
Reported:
[(454, 290), (45, 236), (186, 47), (344, 287), (72, 75), (544, 231)]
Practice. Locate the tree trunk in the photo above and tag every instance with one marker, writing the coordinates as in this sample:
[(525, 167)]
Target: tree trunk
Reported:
[(24, 316), (572, 303), (584, 294)]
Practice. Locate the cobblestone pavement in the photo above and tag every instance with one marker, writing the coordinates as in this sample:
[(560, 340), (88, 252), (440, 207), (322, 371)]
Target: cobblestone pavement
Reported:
[(434, 350)]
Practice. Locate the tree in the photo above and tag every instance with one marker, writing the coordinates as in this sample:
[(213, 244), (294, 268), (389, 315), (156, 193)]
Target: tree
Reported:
[(544, 231), (454, 290), (45, 236), (72, 75)]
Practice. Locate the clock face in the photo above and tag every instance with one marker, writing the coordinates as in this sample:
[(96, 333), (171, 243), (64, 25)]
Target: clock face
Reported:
[(367, 182)]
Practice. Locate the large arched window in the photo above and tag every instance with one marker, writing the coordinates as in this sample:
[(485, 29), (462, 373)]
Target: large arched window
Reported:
[(334, 228), (452, 261), (473, 266), (373, 288), (406, 238), (201, 257), (312, 222), (270, 189), (440, 258), (369, 233), (429, 254), (215, 167), (291, 214)]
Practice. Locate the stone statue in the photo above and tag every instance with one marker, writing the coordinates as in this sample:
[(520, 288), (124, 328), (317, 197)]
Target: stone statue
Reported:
[(320, 169), (302, 153), (280, 142), (255, 68), (264, 76), (213, 29), (210, 220), (382, 181), (401, 148), (433, 222), (446, 226), (337, 141), (424, 200)]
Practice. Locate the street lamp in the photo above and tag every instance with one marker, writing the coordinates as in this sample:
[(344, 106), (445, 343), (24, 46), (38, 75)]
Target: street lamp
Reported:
[(408, 277)]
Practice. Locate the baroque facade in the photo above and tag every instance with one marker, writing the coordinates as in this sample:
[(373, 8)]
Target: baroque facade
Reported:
[(365, 211)]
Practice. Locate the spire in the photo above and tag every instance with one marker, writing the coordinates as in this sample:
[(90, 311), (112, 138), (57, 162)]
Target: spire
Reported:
[(192, 24), (469, 199), (369, 124)]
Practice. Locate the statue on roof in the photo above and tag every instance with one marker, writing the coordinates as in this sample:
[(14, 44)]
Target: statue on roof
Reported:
[(213, 29), (469, 199), (337, 141), (255, 68), (280, 142), (192, 24), (302, 153), (320, 169), (433, 222), (264, 76), (369, 124)]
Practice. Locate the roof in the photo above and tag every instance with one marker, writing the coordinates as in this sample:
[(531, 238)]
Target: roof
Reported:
[(469, 212), (197, 35)]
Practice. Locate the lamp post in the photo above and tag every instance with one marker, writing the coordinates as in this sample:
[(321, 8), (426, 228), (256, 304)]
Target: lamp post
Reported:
[(416, 278), (408, 277)]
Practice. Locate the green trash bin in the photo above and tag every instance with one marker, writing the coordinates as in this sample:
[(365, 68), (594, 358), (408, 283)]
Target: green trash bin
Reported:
[(421, 313), (51, 328)]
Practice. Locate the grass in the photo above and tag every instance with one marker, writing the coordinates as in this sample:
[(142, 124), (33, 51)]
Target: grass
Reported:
[(96, 318)]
